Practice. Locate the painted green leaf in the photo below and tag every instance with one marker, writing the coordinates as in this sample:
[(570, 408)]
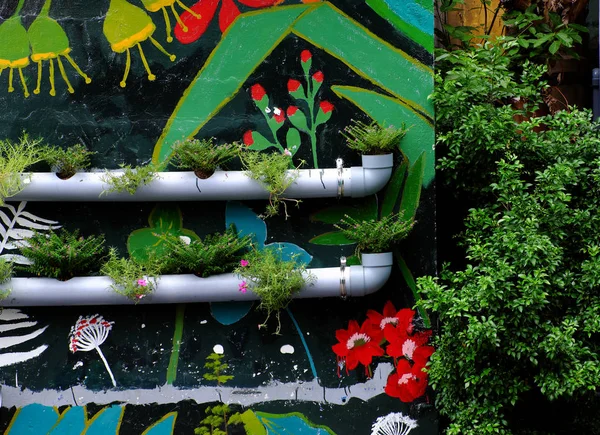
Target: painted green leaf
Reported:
[(260, 142), (332, 238), (410, 282), (292, 140), (392, 191), (359, 209), (412, 189), (390, 111)]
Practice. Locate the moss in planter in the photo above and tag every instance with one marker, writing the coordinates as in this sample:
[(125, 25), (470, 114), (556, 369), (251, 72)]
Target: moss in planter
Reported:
[(15, 157), (66, 162), (131, 179), (63, 254), (373, 138), (202, 156), (131, 278)]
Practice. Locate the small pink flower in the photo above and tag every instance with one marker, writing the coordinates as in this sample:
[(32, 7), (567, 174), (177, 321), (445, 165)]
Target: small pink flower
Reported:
[(140, 296), (243, 287), (287, 152), (142, 282), (244, 263)]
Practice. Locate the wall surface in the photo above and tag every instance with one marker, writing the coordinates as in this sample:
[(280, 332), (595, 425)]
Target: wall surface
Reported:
[(128, 79)]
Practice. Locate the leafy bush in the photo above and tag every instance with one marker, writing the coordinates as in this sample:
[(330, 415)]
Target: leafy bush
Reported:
[(131, 278), (270, 170), (130, 179), (375, 235), (216, 253), (15, 157), (63, 254), (202, 156), (67, 161), (373, 138), (273, 279), (524, 315)]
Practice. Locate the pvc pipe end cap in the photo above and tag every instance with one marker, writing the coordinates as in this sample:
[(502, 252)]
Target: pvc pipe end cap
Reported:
[(377, 260), (378, 161)]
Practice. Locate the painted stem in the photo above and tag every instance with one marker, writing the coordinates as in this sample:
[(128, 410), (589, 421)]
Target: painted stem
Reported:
[(303, 340), (177, 334), (112, 378), (313, 144)]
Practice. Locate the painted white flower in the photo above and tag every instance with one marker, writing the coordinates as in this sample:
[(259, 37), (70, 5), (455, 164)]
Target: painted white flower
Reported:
[(267, 110), (394, 423), (277, 111)]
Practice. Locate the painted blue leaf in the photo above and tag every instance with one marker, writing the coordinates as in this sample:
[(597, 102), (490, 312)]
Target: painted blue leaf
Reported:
[(227, 313), (71, 422), (162, 427), (246, 222), (290, 424), (289, 249), (106, 422), (34, 419)]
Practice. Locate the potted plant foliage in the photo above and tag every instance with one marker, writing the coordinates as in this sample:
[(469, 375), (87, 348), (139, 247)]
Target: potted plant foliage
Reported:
[(202, 156), (130, 179), (66, 162), (15, 157), (132, 279), (62, 254), (273, 279), (271, 171), (6, 273)]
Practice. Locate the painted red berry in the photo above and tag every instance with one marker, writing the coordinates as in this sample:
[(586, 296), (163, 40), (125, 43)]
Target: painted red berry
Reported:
[(248, 139), (291, 111), (257, 92), (326, 106), (293, 85), (318, 77), (305, 56)]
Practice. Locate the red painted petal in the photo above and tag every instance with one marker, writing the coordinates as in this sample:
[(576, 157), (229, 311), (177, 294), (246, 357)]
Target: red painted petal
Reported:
[(374, 317), (352, 325), (340, 349), (421, 355), (260, 3), (389, 310), (248, 139), (394, 349), (229, 12), (351, 361), (196, 26), (342, 335)]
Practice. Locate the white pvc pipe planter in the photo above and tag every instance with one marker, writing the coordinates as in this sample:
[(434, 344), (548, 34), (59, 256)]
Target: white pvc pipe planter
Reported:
[(355, 182), (353, 281)]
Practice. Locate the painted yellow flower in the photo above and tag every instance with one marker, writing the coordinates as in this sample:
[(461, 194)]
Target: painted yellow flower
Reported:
[(14, 49), (125, 27)]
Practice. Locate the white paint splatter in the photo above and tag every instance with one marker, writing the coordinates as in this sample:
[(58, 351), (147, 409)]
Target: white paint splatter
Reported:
[(218, 349), (143, 325), (203, 322), (78, 364), (287, 348)]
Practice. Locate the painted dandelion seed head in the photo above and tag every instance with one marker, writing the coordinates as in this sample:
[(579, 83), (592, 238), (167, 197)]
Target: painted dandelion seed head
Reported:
[(394, 423), (89, 333)]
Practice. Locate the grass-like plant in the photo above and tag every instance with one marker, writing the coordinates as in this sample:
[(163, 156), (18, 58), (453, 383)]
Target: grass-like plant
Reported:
[(130, 179), (202, 156), (67, 161), (63, 254), (131, 278), (15, 157), (375, 235), (6, 273), (273, 279), (373, 138), (215, 254), (271, 170)]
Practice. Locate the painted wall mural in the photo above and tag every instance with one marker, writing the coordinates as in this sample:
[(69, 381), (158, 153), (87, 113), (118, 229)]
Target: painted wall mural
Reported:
[(129, 79)]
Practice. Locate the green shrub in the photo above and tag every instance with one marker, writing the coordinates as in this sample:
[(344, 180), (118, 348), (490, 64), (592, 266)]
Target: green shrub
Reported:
[(130, 179), (63, 254), (67, 161), (373, 138), (15, 157), (202, 156), (131, 278)]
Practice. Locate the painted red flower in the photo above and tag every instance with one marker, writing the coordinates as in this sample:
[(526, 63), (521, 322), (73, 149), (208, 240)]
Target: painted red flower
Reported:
[(402, 319), (206, 9), (355, 345), (326, 106), (278, 115), (403, 344), (305, 56), (291, 110), (408, 382), (257, 92), (318, 76), (247, 138), (293, 85)]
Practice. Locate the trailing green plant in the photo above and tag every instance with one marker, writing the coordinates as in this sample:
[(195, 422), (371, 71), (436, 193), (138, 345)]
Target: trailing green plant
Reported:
[(67, 161), (524, 315), (6, 273), (215, 254), (273, 279), (271, 170), (62, 254), (217, 421), (202, 156), (131, 179), (373, 138), (131, 278), (375, 235), (15, 157), (217, 368)]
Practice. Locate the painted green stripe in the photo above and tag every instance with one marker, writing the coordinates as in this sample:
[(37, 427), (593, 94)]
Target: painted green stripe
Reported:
[(177, 335), (390, 111), (371, 57), (410, 281)]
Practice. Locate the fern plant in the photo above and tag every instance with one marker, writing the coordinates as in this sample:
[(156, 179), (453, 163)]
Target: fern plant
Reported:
[(67, 161), (271, 170), (202, 156), (15, 157), (217, 418), (6, 273), (216, 253), (273, 280), (131, 278), (130, 179), (373, 138), (62, 254), (217, 369)]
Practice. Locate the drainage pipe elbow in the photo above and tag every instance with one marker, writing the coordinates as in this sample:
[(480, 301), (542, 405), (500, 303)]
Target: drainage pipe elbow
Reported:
[(372, 176)]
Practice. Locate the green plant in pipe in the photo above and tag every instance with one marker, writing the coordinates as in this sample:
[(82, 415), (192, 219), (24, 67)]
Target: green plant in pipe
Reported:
[(130, 179), (202, 156), (67, 161), (62, 254), (15, 157), (131, 278), (6, 273), (373, 138)]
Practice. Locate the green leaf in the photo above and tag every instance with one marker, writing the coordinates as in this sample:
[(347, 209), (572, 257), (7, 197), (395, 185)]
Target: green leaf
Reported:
[(353, 260), (260, 142), (332, 238), (359, 209), (292, 140), (410, 282), (554, 47), (392, 192), (412, 189), (566, 39)]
